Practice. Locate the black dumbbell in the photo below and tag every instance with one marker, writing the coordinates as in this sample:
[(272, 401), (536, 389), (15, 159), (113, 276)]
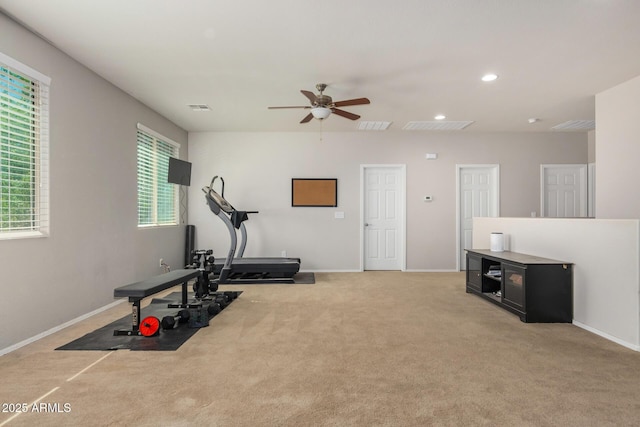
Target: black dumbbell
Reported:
[(214, 308), (222, 299), (170, 322), (231, 294)]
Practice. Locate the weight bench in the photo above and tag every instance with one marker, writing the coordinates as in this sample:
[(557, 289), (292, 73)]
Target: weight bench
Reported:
[(139, 290)]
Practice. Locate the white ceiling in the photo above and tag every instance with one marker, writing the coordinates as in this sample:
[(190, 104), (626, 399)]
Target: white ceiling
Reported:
[(412, 58)]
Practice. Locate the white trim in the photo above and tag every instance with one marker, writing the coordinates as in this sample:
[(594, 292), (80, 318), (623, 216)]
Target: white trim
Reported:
[(15, 235), (25, 69), (361, 271), (155, 227), (157, 135), (403, 206), (607, 336), (331, 271), (59, 327), (459, 167)]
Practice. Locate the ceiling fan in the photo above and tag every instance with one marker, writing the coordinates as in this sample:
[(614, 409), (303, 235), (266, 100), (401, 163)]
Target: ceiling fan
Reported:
[(322, 105)]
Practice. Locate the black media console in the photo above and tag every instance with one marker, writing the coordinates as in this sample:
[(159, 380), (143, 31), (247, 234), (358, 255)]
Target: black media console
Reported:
[(538, 290)]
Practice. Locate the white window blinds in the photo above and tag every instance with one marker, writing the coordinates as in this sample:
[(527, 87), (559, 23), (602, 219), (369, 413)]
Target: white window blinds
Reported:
[(24, 150), (157, 199)]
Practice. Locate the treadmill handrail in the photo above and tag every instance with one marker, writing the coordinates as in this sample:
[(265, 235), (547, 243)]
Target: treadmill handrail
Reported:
[(224, 210)]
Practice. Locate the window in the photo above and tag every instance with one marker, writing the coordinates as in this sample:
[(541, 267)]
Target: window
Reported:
[(157, 199), (24, 150)]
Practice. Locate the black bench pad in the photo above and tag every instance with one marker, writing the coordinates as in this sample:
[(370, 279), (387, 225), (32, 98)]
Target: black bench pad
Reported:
[(155, 284)]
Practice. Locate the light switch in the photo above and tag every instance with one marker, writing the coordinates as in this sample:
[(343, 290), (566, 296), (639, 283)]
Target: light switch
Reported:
[(338, 215)]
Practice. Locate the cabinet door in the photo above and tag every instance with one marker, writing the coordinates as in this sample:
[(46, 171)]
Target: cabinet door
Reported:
[(474, 272), (513, 280)]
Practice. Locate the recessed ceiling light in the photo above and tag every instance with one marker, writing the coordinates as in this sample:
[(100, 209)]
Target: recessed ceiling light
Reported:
[(440, 117), (489, 77)]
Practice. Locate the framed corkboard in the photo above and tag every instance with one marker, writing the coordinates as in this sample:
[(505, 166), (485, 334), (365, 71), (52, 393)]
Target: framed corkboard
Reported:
[(314, 192)]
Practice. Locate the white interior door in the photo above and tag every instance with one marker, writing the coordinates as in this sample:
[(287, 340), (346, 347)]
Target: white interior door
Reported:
[(564, 191), (478, 192), (383, 217)]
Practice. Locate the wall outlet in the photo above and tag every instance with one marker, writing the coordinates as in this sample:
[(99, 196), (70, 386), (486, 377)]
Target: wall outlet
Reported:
[(161, 262), (284, 254)]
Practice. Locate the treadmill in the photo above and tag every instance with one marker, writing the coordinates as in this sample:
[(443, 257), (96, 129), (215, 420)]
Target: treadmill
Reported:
[(237, 269)]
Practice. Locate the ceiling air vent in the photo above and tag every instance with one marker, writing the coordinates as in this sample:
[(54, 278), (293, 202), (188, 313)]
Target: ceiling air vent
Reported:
[(576, 125), (364, 125), (199, 107), (437, 125)]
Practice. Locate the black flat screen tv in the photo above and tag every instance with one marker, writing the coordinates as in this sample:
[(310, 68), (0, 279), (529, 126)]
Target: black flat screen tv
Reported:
[(179, 172)]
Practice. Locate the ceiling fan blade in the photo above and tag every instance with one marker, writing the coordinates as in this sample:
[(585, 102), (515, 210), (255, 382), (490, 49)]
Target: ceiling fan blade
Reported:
[(310, 95), (297, 106), (307, 118), (345, 114), (357, 101)]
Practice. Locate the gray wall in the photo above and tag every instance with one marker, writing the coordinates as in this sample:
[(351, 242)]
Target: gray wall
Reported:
[(258, 168), (618, 151), (94, 244), (592, 146)]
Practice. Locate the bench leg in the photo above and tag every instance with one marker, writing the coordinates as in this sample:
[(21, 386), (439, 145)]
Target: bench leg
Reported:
[(135, 321), (185, 299)]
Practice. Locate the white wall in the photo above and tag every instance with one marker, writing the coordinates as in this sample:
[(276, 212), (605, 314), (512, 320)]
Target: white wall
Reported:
[(606, 272), (618, 151), (258, 168), (94, 244)]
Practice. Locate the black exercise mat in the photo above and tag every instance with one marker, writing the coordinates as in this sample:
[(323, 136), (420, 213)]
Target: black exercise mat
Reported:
[(298, 279), (167, 340), (304, 279)]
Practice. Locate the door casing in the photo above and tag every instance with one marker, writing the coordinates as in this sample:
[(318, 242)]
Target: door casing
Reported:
[(402, 205), (494, 208)]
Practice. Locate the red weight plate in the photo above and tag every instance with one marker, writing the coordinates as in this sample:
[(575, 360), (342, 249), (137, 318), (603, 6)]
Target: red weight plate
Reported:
[(149, 326)]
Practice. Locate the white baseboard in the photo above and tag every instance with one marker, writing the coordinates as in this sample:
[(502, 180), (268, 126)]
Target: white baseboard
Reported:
[(623, 343), (59, 327), (360, 271)]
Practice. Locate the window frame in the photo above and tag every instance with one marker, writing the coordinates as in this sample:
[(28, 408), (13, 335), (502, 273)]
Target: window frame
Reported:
[(39, 155), (157, 178)]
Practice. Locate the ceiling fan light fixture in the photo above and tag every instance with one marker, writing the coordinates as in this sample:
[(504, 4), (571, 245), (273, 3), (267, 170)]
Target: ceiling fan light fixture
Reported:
[(321, 113)]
